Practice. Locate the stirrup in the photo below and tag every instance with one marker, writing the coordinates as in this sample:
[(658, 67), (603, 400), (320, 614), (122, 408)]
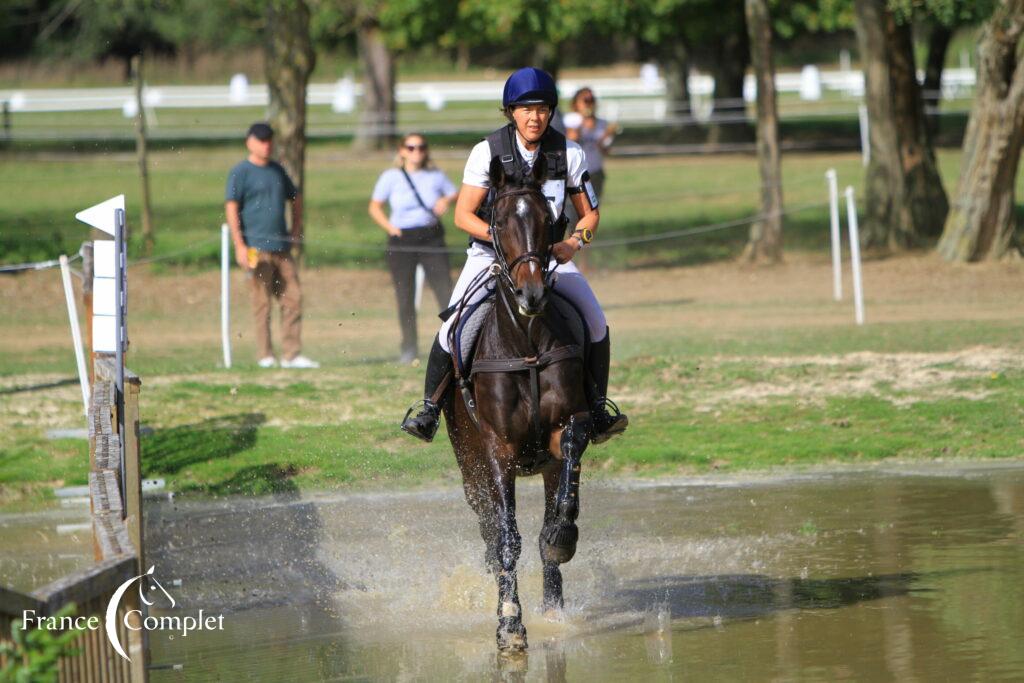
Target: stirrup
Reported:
[(615, 423), (414, 425)]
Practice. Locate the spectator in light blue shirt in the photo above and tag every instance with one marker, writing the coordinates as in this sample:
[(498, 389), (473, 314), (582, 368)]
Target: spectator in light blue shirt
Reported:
[(417, 194)]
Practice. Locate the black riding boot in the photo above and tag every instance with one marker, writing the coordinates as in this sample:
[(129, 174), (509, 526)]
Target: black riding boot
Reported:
[(606, 425), (423, 425)]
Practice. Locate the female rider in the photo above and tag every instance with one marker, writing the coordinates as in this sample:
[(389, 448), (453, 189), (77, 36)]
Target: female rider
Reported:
[(529, 98)]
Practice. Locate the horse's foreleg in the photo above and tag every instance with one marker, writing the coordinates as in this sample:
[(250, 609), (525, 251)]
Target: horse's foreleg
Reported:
[(511, 634), (553, 602), (558, 539)]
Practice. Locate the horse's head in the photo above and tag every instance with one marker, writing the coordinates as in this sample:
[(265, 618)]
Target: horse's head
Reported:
[(520, 230)]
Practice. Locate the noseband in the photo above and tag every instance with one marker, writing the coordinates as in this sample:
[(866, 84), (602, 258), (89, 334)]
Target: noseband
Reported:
[(506, 267)]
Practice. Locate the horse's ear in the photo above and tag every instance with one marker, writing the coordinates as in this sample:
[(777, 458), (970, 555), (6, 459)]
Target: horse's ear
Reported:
[(540, 169), (496, 173)]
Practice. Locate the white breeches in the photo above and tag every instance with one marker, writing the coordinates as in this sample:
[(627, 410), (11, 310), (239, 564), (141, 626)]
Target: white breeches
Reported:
[(568, 281)]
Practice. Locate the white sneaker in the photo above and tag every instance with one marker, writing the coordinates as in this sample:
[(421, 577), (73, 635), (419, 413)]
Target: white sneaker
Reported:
[(267, 362), (299, 362)]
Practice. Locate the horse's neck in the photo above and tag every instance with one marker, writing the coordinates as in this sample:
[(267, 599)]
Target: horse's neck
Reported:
[(516, 329)]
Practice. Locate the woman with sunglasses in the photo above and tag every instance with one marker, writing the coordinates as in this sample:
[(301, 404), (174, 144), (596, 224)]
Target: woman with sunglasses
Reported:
[(528, 102), (595, 135), (418, 194)]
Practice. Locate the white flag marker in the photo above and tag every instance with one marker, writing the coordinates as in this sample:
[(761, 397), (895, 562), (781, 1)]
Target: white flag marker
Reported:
[(101, 216)]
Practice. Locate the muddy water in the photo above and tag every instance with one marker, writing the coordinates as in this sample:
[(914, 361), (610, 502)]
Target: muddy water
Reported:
[(889, 574), (897, 573), (43, 545)]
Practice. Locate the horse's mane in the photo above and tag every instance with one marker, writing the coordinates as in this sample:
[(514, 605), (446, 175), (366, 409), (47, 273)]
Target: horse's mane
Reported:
[(533, 180)]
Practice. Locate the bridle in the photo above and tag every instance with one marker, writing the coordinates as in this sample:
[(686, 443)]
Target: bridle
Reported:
[(506, 267)]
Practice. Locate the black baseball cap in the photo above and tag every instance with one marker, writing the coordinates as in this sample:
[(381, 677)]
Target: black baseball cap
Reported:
[(261, 131)]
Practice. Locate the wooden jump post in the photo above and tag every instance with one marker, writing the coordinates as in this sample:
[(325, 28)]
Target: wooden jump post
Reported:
[(117, 545)]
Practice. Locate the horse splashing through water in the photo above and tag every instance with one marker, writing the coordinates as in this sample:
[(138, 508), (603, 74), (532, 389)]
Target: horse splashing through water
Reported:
[(526, 410)]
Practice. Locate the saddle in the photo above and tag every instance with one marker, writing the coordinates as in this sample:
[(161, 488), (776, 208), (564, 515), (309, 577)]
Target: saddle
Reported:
[(564, 319)]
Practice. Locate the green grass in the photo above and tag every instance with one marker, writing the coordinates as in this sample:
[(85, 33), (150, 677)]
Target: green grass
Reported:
[(247, 431), (257, 433), (644, 197)]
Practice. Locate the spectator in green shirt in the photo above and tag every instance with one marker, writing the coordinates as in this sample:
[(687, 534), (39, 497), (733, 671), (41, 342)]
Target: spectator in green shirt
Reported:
[(258, 189)]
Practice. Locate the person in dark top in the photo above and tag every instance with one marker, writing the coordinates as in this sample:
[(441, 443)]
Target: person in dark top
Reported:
[(258, 189)]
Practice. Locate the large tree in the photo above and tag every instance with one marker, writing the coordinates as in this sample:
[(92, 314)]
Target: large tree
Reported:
[(982, 222), (941, 19), (905, 202), (378, 117), (765, 242), (289, 60), (707, 34)]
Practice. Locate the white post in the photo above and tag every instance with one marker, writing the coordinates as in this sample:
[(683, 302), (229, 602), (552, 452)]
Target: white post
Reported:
[(421, 275), (225, 293), (858, 291), (76, 332), (837, 247), (865, 140)]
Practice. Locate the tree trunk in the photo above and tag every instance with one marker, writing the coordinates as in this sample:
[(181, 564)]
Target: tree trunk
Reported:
[(674, 61), (548, 56), (378, 116), (982, 222), (729, 68), (141, 157), (765, 242), (905, 202), (938, 45), (289, 62)]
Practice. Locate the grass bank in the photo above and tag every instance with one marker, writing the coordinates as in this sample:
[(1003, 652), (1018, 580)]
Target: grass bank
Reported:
[(720, 367)]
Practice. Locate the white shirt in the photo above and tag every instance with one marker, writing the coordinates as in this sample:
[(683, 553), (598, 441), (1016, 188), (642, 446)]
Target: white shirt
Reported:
[(479, 164)]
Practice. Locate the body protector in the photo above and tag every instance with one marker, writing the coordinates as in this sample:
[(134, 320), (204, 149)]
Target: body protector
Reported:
[(503, 147)]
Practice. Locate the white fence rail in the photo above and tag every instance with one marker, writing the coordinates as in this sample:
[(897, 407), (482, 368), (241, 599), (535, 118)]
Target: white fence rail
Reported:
[(343, 95)]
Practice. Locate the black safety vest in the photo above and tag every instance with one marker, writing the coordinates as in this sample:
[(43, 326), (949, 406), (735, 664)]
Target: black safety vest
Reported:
[(503, 147)]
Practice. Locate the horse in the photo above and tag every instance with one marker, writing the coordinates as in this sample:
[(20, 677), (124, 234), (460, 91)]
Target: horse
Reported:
[(526, 410)]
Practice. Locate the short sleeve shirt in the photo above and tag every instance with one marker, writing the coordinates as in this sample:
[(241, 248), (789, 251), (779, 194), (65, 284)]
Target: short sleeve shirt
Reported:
[(261, 193), (479, 164), (406, 211)]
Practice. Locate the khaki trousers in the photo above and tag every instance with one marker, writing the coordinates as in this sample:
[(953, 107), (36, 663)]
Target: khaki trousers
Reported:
[(276, 276)]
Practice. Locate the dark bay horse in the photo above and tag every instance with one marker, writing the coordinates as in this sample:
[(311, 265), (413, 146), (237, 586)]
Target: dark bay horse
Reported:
[(525, 411)]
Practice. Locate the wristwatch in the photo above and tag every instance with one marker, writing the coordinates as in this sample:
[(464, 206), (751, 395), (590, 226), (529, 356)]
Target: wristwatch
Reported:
[(586, 235)]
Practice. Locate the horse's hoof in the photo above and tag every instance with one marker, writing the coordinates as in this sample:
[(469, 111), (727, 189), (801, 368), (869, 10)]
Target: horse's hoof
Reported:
[(511, 638), (560, 543)]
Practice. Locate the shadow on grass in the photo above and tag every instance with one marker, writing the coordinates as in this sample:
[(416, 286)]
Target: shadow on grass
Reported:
[(36, 387), (168, 451), (256, 480)]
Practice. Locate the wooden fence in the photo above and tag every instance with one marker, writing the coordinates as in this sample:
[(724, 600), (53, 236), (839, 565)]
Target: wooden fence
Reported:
[(117, 547)]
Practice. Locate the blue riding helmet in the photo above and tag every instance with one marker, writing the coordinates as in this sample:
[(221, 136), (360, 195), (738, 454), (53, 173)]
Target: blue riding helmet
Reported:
[(530, 86)]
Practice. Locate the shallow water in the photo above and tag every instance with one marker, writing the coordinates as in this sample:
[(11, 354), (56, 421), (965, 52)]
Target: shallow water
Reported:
[(911, 573), (888, 574), (43, 545)]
